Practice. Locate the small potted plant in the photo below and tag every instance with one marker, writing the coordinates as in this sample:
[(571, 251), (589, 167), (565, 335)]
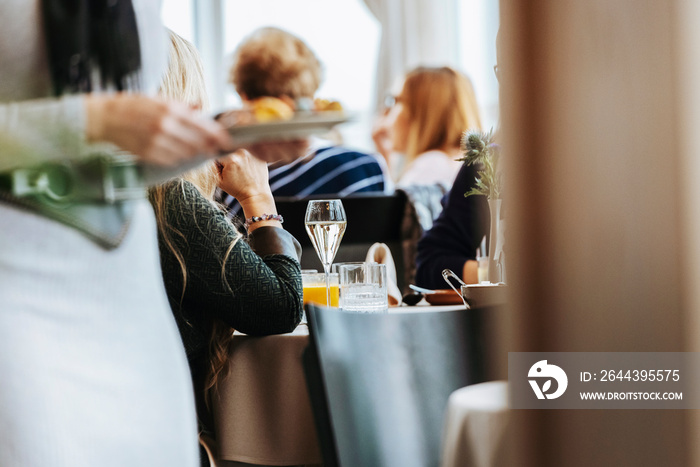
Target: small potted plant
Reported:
[(480, 150)]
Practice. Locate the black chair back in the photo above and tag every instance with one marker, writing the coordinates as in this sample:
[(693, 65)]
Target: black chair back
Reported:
[(371, 218), (380, 382)]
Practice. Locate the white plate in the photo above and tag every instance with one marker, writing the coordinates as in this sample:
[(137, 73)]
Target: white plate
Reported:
[(299, 127)]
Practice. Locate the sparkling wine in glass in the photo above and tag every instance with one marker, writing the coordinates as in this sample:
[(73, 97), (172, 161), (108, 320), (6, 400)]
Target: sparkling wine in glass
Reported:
[(325, 223)]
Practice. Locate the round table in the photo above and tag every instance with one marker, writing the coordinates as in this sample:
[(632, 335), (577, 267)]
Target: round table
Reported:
[(475, 426), (262, 410)]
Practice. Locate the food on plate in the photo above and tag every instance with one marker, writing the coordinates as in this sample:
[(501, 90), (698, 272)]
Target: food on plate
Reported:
[(271, 109), (325, 105), (267, 109), (261, 110)]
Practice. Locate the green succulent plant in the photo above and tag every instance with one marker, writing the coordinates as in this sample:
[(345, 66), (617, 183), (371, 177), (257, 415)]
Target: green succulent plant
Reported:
[(479, 149)]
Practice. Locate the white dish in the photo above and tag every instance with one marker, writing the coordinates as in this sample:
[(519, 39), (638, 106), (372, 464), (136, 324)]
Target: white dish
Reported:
[(485, 294), (299, 127)]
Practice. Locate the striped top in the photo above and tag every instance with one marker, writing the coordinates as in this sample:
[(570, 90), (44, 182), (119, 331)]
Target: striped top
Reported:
[(324, 170)]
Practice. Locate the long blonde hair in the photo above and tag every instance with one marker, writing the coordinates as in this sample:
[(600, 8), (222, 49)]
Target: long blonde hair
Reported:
[(184, 82), (441, 105)]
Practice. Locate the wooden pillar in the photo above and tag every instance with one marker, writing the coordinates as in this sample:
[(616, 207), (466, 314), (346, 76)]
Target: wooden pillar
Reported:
[(590, 111)]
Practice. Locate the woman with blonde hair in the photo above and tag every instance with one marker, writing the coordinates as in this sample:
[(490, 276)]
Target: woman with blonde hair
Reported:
[(217, 281), (425, 124)]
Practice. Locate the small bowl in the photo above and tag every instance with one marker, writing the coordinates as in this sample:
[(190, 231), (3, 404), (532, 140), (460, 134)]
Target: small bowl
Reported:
[(485, 294)]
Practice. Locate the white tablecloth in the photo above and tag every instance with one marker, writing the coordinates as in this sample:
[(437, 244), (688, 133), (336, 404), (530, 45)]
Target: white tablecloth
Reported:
[(263, 412), (475, 426)]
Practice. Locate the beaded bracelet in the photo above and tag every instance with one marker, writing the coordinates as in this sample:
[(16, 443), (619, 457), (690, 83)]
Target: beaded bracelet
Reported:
[(264, 217)]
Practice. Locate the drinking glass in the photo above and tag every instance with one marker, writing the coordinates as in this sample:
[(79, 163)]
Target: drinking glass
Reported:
[(315, 288), (335, 268), (325, 223), (363, 287)]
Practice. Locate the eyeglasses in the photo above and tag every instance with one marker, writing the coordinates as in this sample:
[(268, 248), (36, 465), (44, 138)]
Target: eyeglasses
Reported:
[(390, 101)]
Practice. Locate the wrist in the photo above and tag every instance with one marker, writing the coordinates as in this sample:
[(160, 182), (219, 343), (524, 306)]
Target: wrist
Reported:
[(257, 204)]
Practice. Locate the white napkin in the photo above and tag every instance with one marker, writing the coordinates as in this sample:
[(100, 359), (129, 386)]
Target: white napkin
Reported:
[(380, 253)]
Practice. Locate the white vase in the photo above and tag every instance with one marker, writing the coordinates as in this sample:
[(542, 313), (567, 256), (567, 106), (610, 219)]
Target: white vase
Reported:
[(495, 242)]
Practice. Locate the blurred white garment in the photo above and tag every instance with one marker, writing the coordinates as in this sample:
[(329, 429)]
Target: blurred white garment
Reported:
[(93, 368), (431, 167)]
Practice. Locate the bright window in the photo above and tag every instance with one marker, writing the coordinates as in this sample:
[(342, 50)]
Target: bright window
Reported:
[(478, 27), (178, 15), (342, 33)]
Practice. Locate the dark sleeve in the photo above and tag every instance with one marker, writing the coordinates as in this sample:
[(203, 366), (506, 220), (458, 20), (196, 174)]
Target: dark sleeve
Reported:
[(455, 234), (254, 287)]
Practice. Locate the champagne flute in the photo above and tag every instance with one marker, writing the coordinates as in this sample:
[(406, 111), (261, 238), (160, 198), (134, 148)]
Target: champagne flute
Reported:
[(325, 223)]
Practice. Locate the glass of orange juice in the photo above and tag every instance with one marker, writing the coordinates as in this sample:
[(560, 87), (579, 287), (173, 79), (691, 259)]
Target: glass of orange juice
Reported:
[(315, 288)]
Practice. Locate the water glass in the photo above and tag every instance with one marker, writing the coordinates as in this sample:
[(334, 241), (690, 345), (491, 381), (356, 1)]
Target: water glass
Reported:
[(336, 266), (363, 288)]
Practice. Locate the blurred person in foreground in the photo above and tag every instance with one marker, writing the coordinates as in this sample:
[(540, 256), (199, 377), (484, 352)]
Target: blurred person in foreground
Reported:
[(216, 280), (274, 63), (420, 133), (93, 369)]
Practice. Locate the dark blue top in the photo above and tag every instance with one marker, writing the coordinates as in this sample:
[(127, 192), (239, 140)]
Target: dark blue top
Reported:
[(455, 234), (330, 170)]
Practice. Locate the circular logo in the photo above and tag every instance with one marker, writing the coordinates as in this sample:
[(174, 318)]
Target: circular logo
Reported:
[(543, 374)]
